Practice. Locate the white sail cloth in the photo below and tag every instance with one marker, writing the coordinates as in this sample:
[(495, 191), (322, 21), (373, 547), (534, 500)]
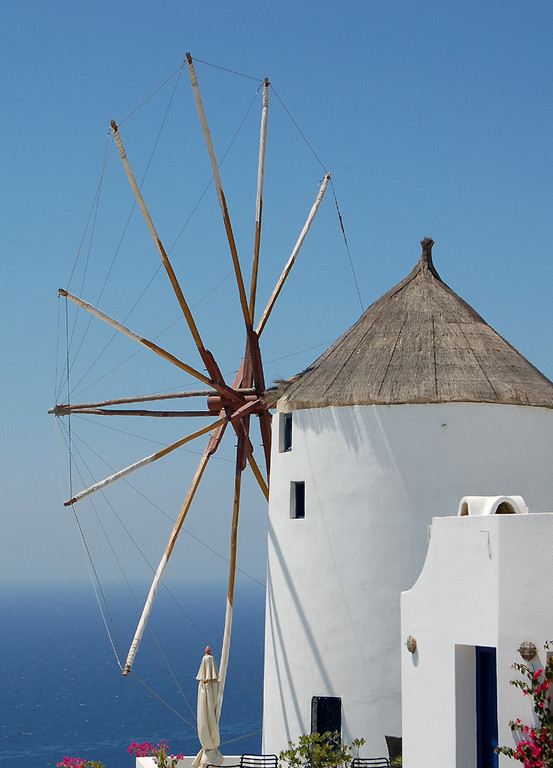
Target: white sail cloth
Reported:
[(207, 714)]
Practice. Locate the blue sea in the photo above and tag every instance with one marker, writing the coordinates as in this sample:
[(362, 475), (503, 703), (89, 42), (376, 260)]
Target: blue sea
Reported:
[(62, 692)]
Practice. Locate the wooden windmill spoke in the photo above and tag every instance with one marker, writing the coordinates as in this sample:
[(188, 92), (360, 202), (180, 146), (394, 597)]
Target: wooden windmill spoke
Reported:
[(63, 410), (291, 260), (245, 410), (232, 572), (265, 419), (132, 412), (217, 436), (259, 477), (259, 197), (164, 560), (251, 368), (220, 193), (161, 250), (99, 486), (221, 388)]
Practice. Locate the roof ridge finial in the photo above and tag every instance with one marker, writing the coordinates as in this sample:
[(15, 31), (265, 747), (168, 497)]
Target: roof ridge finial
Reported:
[(425, 261), (427, 244)]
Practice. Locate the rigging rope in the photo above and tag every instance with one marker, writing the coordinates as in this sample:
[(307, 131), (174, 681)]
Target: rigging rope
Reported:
[(153, 504), (231, 71), (141, 437), (58, 337), (93, 209), (219, 165), (94, 575), (97, 586), (346, 244), (178, 714), (117, 250), (92, 568), (325, 344), (159, 87), (89, 561), (94, 203), (68, 399), (107, 151), (239, 738), (325, 169), (333, 192), (209, 641), (171, 672)]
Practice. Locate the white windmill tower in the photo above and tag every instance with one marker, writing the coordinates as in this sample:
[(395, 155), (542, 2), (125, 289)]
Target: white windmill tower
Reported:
[(417, 405)]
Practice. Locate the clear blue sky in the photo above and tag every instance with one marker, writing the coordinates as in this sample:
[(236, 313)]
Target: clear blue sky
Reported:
[(434, 118)]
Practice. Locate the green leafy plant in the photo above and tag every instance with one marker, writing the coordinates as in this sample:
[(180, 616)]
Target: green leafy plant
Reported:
[(78, 762), (319, 750), (535, 747), (397, 762)]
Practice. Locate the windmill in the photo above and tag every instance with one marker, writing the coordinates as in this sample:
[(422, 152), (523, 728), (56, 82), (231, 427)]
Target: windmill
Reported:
[(233, 404)]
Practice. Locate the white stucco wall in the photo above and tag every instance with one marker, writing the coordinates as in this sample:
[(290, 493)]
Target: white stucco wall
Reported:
[(486, 582), (375, 477)]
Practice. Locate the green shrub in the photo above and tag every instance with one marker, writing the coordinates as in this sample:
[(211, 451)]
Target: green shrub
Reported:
[(319, 750)]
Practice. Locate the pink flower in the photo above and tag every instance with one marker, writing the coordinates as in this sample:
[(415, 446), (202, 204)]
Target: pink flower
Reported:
[(72, 762), (142, 750)]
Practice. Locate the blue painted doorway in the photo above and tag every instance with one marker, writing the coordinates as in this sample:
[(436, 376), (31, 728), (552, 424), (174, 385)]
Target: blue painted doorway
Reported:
[(486, 708)]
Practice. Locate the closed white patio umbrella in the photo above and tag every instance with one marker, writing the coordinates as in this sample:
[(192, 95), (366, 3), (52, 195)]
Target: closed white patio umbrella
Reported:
[(207, 713)]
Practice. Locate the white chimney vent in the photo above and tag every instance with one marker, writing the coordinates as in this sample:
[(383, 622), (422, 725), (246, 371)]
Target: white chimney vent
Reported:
[(492, 505)]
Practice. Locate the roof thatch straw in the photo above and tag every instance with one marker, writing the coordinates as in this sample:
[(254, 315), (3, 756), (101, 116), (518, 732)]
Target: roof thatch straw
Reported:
[(419, 343)]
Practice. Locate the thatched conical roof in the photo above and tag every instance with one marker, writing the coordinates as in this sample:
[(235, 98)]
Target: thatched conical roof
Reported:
[(419, 343)]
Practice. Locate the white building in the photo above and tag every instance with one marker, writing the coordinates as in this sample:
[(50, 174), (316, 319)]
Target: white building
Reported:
[(419, 403), (484, 590)]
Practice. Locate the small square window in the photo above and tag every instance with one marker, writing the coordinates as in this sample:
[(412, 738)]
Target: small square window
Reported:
[(297, 500), (285, 433)]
